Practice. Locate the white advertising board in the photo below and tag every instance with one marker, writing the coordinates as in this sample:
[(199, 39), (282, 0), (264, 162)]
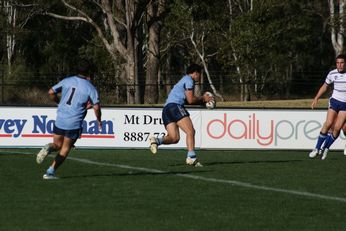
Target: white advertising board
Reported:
[(122, 128), (263, 129), (131, 127)]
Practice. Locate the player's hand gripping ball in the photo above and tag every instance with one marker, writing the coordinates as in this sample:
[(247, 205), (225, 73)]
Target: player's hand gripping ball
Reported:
[(211, 104)]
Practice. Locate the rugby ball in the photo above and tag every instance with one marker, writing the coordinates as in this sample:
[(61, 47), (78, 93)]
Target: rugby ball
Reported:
[(211, 104)]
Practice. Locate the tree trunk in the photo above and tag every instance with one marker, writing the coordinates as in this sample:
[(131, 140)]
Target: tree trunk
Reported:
[(155, 10), (10, 36), (151, 83), (337, 27), (140, 85), (201, 55), (118, 29)]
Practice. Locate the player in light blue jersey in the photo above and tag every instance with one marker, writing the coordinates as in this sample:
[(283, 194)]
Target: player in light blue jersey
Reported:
[(175, 115), (77, 92), (336, 114)]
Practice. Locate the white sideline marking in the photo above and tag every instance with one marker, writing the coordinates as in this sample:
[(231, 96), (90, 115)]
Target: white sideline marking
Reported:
[(215, 180), (231, 182), (18, 153)]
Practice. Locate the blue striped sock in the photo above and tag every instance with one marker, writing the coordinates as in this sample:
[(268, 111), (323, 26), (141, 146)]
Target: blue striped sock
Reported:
[(191, 154), (329, 141), (159, 140), (320, 140), (50, 170)]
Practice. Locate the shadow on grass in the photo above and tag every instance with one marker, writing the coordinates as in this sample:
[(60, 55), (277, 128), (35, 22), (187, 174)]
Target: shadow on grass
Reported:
[(132, 173), (251, 162)]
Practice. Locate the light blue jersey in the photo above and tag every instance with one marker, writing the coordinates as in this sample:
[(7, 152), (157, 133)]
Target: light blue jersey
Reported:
[(177, 94), (75, 93)]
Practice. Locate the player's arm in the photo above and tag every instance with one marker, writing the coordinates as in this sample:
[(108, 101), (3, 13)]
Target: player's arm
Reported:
[(192, 99), (53, 96), (88, 105), (320, 92), (98, 114)]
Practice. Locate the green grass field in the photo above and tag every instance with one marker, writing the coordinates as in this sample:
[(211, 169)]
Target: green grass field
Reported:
[(135, 190)]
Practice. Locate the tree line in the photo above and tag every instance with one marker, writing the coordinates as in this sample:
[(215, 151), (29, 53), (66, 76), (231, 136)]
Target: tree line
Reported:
[(140, 48)]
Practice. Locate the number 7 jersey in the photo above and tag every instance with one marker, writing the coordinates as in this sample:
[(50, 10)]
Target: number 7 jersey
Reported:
[(75, 94)]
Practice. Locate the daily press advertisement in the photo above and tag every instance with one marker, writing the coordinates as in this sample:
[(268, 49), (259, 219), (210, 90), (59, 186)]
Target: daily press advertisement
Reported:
[(131, 128)]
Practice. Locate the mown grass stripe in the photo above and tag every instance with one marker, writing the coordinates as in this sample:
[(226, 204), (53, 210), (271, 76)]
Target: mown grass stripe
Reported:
[(215, 180)]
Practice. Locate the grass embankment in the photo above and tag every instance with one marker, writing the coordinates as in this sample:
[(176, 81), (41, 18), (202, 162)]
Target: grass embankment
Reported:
[(299, 103)]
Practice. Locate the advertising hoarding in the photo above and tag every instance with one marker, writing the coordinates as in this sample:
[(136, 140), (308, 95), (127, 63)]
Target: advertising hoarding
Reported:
[(131, 127)]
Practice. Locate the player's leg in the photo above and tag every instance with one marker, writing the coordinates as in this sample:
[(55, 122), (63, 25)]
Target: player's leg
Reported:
[(329, 122), (186, 125), (171, 113), (58, 138), (57, 143), (172, 137), (50, 147), (344, 131), (339, 123), (67, 141), (64, 151), (59, 158)]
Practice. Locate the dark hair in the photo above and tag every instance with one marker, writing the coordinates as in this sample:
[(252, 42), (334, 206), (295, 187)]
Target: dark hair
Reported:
[(192, 68), (341, 56), (84, 67)]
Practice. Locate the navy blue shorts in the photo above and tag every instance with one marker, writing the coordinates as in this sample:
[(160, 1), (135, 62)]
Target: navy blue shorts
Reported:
[(337, 105), (173, 112), (72, 134)]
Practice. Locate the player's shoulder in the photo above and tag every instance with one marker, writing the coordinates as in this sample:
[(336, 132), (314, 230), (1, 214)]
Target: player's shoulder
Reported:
[(89, 85), (187, 79), (69, 78), (333, 72), (82, 80)]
